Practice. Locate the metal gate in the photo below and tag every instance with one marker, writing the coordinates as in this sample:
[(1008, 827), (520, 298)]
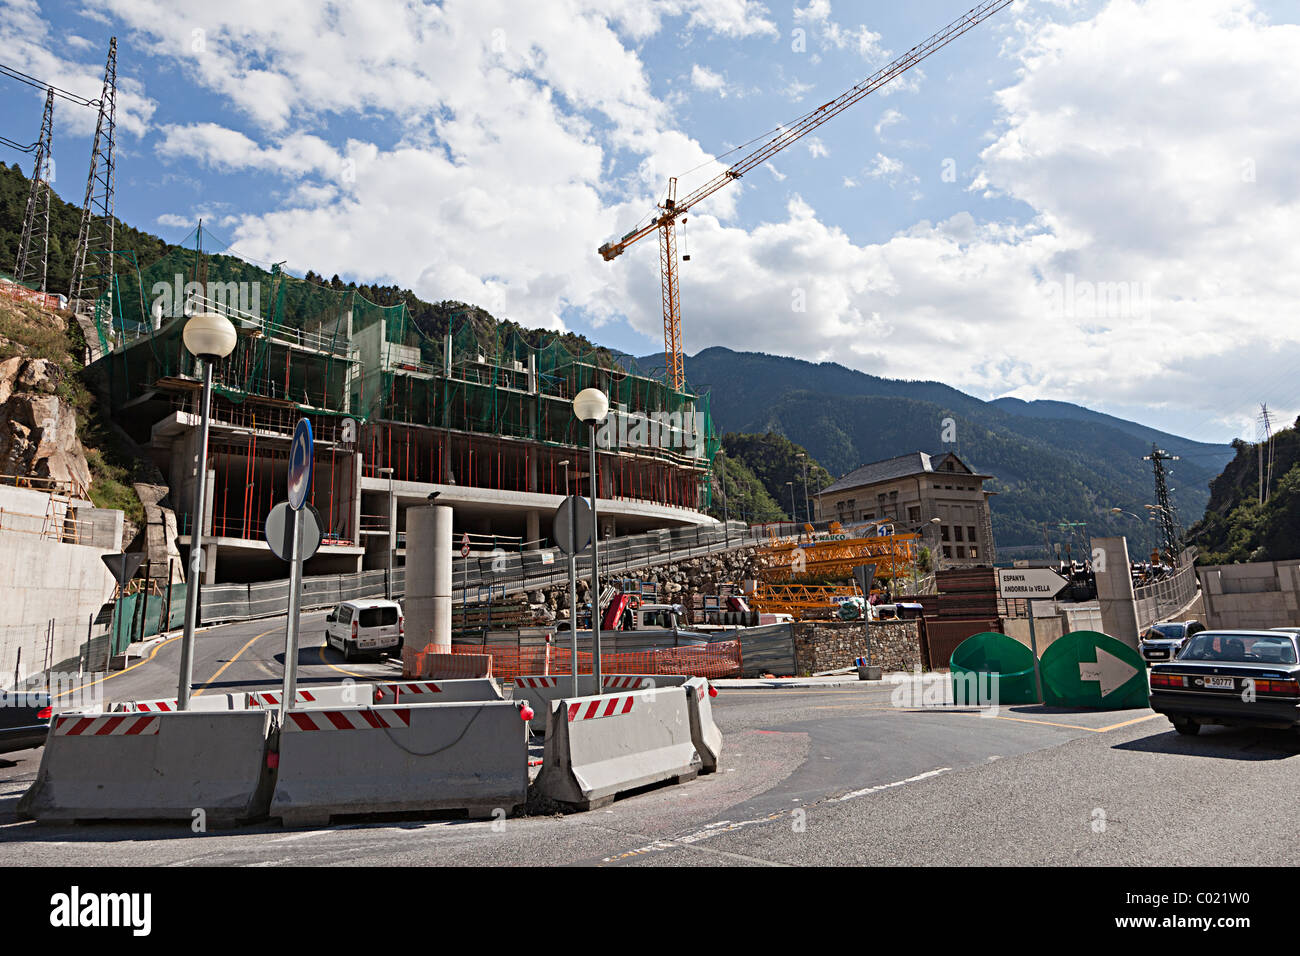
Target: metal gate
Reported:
[(944, 634)]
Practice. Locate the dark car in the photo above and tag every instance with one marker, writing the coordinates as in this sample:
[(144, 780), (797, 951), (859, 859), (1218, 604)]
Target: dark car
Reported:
[(24, 719), (1234, 678), (1162, 642)]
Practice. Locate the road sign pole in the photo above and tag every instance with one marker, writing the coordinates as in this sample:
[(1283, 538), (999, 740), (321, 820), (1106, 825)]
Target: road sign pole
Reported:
[(291, 625), (595, 564), (1033, 647), (573, 599), (197, 523)]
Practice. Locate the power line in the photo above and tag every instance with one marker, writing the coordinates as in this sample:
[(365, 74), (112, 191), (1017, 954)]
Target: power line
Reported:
[(21, 77), (29, 148)]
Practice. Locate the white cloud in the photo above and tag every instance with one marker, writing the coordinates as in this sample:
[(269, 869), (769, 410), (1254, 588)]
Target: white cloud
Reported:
[(890, 117), (702, 78)]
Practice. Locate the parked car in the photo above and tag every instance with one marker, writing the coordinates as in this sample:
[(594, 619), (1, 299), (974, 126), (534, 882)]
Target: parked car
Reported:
[(1162, 642), (24, 719), (365, 626), (1235, 678)]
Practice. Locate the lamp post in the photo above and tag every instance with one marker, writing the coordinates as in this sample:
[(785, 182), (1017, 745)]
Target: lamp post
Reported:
[(392, 533), (565, 465), (806, 509), (209, 338), (793, 516), (591, 405)]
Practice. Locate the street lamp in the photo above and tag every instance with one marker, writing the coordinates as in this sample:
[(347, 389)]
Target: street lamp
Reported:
[(591, 405), (392, 532), (209, 338), (565, 465), (793, 514), (806, 509)]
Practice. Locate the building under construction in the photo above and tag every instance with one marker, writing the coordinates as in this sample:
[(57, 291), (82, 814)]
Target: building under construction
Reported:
[(478, 412)]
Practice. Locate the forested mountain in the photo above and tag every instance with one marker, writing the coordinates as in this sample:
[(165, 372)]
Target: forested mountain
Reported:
[(1236, 526), (1052, 462)]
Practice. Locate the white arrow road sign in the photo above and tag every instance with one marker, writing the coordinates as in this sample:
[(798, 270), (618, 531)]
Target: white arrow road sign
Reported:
[(1040, 583), (1109, 671)]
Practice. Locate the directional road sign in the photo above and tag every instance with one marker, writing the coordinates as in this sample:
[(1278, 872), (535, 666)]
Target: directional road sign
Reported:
[(574, 511), (279, 531), (123, 566), (1089, 669), (1037, 583), (300, 463)]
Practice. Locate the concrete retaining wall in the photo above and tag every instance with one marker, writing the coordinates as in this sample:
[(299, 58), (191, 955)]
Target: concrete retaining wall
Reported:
[(1258, 594)]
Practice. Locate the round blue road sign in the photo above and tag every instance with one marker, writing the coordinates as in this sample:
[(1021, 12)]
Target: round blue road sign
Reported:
[(300, 461)]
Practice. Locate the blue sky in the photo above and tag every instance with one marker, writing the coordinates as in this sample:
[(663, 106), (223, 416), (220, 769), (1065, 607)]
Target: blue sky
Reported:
[(1117, 229)]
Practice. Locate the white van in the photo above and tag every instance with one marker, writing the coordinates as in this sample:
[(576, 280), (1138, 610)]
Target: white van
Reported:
[(358, 627)]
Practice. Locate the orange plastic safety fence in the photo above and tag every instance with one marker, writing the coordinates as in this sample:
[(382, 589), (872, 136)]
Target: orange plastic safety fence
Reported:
[(721, 659)]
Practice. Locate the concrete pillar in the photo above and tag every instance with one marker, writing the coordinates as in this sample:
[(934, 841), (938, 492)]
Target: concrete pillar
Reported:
[(210, 564), (532, 529), (428, 581), (1115, 589)]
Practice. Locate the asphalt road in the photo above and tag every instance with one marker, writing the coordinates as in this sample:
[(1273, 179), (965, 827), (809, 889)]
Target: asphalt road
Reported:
[(808, 776)]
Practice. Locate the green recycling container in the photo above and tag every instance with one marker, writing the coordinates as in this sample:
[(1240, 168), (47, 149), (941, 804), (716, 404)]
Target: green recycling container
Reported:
[(992, 653)]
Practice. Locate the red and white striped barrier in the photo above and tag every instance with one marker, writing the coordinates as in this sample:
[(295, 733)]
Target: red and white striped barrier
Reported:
[(470, 755), (537, 682), (347, 694), (626, 682), (347, 719), (153, 766), (602, 707), (169, 705), (437, 692), (704, 732), (117, 725), (645, 738)]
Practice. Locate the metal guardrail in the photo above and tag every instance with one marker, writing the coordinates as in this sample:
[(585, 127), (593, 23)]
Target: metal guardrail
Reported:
[(1158, 600)]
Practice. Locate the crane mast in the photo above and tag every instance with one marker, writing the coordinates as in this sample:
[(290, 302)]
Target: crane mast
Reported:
[(673, 208)]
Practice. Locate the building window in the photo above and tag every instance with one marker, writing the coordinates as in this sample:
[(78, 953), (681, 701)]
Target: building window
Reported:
[(947, 551), (957, 532), (943, 535), (970, 533), (974, 553), (914, 513), (961, 552)]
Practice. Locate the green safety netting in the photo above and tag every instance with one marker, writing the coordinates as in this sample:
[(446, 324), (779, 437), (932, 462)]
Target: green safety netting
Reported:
[(333, 351)]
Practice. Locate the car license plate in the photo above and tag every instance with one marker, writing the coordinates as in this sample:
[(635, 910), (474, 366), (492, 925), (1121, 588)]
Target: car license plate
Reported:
[(1157, 653), (1222, 683)]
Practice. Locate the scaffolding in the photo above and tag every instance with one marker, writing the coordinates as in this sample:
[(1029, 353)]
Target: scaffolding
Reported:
[(461, 399)]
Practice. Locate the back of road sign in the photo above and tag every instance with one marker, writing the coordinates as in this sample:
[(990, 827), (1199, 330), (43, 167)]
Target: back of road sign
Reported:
[(1089, 669), (573, 508)]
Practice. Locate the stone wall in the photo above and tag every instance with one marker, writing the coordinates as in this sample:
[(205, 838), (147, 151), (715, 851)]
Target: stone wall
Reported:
[(678, 583), (825, 646)]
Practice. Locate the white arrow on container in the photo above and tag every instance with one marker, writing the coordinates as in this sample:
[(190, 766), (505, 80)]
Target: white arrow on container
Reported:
[(1109, 671)]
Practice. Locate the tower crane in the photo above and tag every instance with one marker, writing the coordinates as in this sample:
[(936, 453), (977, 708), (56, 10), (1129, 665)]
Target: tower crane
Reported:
[(672, 209)]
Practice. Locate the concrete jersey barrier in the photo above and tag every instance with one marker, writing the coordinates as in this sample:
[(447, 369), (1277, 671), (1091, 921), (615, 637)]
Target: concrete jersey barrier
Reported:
[(202, 702), (437, 692), (704, 732), (543, 690), (347, 694), (153, 766), (471, 755), (599, 747)]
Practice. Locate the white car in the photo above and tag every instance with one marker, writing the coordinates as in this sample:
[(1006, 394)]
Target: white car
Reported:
[(365, 626)]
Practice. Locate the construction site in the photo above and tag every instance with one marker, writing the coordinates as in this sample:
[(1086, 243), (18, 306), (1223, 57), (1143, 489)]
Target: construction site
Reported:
[(478, 415)]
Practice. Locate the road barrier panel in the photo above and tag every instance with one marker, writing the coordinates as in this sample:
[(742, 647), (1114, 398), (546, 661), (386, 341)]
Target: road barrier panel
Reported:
[(153, 766), (347, 694), (202, 702), (398, 758), (432, 664), (704, 732), (437, 692), (543, 690), (599, 747)]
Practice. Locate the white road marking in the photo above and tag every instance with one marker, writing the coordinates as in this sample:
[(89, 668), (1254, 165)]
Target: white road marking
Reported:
[(897, 783)]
